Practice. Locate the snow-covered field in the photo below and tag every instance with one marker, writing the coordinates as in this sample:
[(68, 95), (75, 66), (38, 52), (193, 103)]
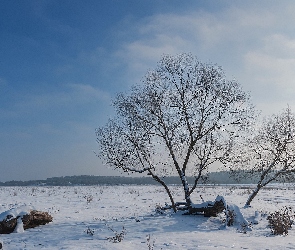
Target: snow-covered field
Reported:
[(85, 216)]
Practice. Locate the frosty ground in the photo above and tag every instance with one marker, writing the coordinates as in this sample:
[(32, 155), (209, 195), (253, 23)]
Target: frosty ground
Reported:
[(85, 216)]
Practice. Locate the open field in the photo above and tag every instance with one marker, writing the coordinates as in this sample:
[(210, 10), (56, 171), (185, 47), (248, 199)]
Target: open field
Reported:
[(84, 217)]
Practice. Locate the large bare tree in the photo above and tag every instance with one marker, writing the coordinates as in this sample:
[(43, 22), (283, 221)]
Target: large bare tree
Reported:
[(181, 119), (270, 154)]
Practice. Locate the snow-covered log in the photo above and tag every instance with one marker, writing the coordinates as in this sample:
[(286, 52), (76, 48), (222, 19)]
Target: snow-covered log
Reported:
[(209, 208), (19, 219)]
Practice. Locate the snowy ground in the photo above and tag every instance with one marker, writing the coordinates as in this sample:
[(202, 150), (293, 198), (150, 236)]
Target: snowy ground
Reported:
[(101, 209)]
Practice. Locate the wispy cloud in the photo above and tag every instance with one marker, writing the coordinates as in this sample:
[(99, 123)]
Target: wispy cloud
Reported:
[(70, 95), (252, 42), (87, 92)]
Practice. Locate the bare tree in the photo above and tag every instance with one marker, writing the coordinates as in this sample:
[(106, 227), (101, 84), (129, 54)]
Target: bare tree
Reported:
[(270, 153), (180, 120)]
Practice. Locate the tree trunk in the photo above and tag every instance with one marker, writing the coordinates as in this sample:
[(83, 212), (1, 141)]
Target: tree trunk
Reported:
[(186, 188), (156, 178), (252, 196)]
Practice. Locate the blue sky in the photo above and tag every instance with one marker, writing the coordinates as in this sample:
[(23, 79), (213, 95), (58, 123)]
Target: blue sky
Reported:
[(62, 62)]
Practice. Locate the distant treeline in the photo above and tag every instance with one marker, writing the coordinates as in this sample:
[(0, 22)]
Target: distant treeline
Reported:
[(222, 177)]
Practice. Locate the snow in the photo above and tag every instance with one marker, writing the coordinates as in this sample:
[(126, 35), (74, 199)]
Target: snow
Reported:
[(239, 221), (16, 211), (19, 226), (133, 208), (203, 204)]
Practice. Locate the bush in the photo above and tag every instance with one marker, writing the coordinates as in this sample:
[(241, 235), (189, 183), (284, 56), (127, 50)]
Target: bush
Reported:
[(90, 231), (118, 237), (281, 221)]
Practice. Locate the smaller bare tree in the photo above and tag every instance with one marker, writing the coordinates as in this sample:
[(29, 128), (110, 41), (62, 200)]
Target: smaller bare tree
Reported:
[(269, 154)]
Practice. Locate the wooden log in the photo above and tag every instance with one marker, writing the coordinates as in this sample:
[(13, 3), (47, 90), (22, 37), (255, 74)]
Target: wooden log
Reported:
[(208, 209), (8, 225), (217, 208), (36, 218), (31, 220)]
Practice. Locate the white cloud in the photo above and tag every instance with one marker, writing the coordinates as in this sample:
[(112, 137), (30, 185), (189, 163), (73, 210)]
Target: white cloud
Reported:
[(71, 94), (255, 42), (197, 31), (280, 45), (87, 92), (269, 69)]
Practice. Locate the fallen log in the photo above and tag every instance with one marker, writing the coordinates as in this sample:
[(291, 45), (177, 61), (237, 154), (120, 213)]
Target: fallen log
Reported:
[(207, 208), (36, 218), (30, 219), (8, 225)]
